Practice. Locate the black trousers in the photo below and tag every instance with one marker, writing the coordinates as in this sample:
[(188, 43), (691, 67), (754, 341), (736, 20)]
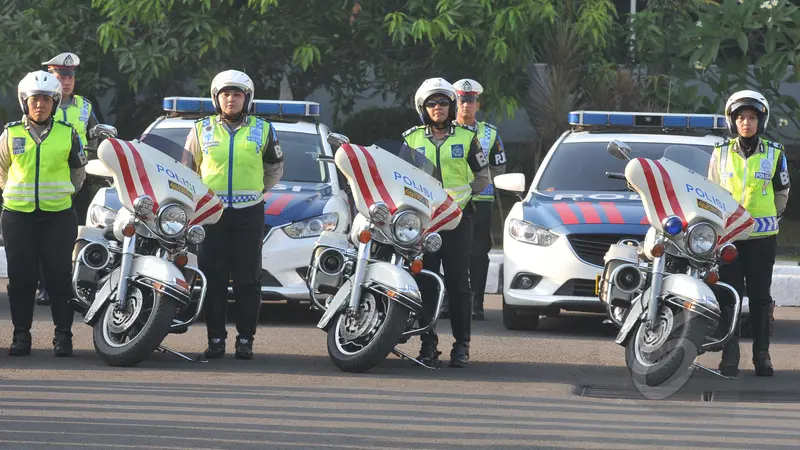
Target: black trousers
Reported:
[(751, 275), (455, 257), (232, 251), (40, 240), (481, 245)]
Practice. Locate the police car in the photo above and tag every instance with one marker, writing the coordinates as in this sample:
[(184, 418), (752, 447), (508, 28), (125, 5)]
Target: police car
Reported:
[(555, 238), (309, 199)]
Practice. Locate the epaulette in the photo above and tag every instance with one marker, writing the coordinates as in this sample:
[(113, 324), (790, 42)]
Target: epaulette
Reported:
[(467, 127), (488, 125), (64, 122), (776, 145), (13, 124), (412, 129), (723, 143)]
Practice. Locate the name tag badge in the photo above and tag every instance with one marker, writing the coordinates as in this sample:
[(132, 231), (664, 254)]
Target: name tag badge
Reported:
[(18, 145), (762, 175), (457, 151)]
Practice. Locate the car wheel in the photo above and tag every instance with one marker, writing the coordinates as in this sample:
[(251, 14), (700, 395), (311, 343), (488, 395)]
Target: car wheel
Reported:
[(519, 318)]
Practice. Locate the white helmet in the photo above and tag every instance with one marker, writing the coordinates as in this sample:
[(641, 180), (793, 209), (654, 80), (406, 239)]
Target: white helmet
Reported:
[(467, 87), (234, 79), (39, 83), (430, 87), (750, 99)]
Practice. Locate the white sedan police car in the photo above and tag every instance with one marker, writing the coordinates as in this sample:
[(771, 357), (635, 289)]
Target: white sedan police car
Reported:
[(310, 197), (555, 238)]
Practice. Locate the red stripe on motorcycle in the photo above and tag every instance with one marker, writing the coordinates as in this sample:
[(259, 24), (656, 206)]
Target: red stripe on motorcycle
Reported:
[(376, 178), (652, 186), (206, 198), (735, 216), (589, 213), (567, 216), (127, 178), (277, 206), (440, 210), (145, 180), (673, 199), (361, 182), (446, 220), (611, 210), (210, 212), (736, 231)]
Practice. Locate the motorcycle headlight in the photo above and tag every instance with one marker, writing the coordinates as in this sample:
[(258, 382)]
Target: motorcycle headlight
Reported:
[(701, 239), (406, 227), (100, 216), (530, 233), (313, 226), (195, 234), (171, 220)]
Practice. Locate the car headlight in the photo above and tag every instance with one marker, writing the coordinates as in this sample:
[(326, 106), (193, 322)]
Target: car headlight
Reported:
[(172, 220), (701, 239), (101, 216), (406, 227), (313, 226), (530, 233)]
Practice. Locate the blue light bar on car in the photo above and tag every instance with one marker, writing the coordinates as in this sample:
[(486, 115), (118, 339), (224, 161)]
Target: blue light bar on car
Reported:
[(260, 107), (610, 119)]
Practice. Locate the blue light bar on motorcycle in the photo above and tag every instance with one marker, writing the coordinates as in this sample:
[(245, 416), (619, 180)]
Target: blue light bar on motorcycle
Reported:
[(673, 225), (189, 105), (611, 119)]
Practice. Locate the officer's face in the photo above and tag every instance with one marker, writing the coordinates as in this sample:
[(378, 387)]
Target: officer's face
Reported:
[(67, 83), (747, 123), (231, 101), (40, 107), (467, 107), (437, 108)]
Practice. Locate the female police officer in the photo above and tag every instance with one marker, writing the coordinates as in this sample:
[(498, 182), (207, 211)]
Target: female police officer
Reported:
[(41, 167)]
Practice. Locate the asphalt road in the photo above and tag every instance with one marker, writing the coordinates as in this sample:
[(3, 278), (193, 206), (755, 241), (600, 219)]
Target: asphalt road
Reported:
[(563, 386)]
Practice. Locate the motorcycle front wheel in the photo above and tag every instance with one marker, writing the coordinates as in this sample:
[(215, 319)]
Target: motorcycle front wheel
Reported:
[(129, 336), (357, 343), (657, 355)]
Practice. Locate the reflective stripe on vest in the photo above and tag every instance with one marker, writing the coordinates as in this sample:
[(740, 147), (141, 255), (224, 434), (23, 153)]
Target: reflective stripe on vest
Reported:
[(455, 171), (39, 175), (750, 183), (232, 164), (487, 137), (77, 114)]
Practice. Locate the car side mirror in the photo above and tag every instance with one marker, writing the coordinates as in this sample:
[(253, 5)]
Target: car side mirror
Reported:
[(337, 140), (513, 182)]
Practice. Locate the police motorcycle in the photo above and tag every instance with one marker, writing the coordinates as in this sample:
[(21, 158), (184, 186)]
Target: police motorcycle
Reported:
[(364, 281), (661, 291), (133, 276)]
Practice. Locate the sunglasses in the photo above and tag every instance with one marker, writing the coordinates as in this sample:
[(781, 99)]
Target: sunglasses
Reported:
[(441, 102)]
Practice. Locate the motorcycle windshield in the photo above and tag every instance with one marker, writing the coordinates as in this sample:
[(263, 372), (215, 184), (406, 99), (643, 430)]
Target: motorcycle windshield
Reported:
[(690, 157), (145, 166), (402, 181)]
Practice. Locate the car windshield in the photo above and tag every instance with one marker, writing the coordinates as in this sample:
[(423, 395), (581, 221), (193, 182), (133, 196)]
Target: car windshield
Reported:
[(582, 166), (298, 152)]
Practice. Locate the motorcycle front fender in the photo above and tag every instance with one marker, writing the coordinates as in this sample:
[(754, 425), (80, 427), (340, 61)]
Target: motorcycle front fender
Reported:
[(102, 296), (634, 316), (336, 305)]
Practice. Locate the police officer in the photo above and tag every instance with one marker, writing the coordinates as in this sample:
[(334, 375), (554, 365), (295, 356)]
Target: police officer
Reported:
[(754, 170), (468, 91), (462, 168), (77, 111), (41, 166), (239, 158)]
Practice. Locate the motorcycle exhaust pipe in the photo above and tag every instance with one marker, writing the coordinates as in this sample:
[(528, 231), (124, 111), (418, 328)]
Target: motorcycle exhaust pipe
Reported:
[(331, 262), (627, 278), (96, 256)]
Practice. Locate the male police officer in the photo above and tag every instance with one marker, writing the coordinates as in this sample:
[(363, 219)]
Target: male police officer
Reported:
[(239, 158), (77, 111), (468, 104), (463, 170), (754, 170), (41, 166)]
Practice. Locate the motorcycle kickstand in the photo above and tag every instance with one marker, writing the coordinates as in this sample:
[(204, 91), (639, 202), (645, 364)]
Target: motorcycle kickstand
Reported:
[(715, 372), (165, 349), (403, 355)]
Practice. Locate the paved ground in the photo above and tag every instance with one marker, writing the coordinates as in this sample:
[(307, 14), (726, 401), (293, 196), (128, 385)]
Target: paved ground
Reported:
[(562, 386)]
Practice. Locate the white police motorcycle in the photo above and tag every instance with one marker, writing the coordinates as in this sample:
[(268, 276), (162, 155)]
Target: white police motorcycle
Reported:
[(365, 281), (133, 277)]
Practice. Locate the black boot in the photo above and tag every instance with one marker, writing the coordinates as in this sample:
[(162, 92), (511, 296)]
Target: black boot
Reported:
[(477, 307), (21, 344), (216, 348), (244, 348), (62, 344), (761, 323), (729, 365), (459, 356), (44, 298), (429, 354)]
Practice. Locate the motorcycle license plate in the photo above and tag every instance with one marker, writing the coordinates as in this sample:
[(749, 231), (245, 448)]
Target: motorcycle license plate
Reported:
[(597, 285)]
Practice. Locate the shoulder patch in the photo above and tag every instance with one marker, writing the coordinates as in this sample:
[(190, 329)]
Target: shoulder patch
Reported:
[(13, 124), (410, 130)]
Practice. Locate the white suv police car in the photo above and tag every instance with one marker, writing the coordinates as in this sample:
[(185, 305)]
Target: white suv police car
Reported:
[(555, 238), (310, 197)]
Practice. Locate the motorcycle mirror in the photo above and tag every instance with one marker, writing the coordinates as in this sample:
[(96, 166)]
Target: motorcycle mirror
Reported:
[(323, 158), (619, 150), (336, 140), (104, 131)]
